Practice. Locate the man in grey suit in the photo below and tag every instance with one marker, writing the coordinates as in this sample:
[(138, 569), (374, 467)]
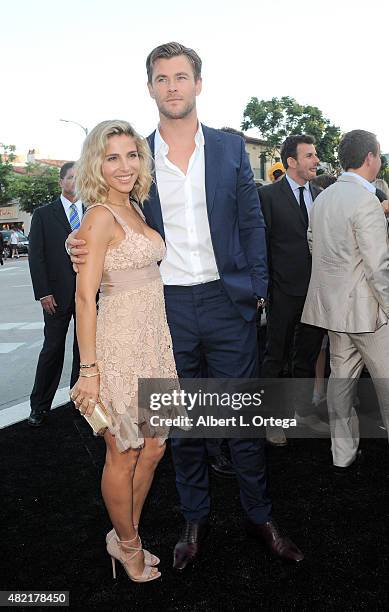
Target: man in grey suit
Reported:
[(349, 288)]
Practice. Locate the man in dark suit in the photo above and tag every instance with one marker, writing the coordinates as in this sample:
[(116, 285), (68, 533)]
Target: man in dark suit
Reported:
[(54, 284), (286, 206), (205, 206)]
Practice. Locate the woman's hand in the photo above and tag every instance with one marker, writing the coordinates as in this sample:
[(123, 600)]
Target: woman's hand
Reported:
[(85, 394)]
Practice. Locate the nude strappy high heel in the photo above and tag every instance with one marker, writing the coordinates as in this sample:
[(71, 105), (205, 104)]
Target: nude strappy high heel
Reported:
[(122, 551), (149, 558)]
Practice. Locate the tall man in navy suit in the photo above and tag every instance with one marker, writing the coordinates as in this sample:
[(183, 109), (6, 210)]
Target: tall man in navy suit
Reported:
[(205, 206)]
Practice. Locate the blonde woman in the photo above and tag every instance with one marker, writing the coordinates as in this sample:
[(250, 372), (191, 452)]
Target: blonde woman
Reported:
[(129, 339)]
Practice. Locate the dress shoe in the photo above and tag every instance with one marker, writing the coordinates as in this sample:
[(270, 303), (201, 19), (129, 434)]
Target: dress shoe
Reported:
[(36, 417), (275, 436), (313, 422), (349, 469), (222, 466), (189, 545), (279, 545)]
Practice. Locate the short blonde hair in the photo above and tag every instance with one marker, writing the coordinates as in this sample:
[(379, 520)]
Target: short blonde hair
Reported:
[(91, 186)]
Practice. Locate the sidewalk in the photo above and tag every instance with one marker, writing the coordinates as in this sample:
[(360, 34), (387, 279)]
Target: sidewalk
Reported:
[(54, 525)]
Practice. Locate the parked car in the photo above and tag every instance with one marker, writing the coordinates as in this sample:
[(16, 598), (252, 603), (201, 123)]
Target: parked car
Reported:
[(22, 242)]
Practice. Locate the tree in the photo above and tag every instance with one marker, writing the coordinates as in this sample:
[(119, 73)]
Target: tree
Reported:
[(384, 172), (6, 158), (279, 117), (38, 186)]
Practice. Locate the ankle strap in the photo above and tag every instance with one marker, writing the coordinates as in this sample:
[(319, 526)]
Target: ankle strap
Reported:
[(127, 541)]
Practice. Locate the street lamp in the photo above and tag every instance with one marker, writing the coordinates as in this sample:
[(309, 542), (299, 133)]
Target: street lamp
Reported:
[(75, 122)]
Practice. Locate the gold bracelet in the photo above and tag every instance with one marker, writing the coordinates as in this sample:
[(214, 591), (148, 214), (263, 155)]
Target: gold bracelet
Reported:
[(87, 365), (89, 375)]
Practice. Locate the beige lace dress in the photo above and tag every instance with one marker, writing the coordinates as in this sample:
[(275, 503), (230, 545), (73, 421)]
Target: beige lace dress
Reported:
[(132, 338)]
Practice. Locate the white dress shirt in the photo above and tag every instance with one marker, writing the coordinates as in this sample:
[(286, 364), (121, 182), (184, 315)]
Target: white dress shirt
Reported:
[(67, 204), (190, 259), (307, 193)]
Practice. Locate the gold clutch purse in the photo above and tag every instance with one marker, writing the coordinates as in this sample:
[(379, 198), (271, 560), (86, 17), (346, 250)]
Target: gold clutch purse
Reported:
[(99, 420)]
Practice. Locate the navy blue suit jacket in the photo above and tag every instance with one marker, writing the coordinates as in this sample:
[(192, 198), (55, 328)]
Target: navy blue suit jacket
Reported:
[(235, 219)]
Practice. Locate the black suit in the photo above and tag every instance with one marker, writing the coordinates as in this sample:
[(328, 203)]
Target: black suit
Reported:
[(289, 272), (52, 274), (380, 195)]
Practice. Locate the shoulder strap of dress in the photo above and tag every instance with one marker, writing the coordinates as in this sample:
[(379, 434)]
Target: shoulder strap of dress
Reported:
[(115, 215), (138, 208)]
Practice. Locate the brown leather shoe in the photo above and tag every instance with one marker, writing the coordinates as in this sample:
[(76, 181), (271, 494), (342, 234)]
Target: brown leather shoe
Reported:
[(188, 546), (279, 545)]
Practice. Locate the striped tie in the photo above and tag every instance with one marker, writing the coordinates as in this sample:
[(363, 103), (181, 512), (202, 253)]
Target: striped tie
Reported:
[(74, 218)]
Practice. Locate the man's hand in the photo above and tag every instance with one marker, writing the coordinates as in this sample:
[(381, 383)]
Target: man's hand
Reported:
[(49, 304), (76, 249)]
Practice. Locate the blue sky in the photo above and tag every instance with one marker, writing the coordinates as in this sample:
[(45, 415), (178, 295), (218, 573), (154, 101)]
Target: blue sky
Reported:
[(85, 61)]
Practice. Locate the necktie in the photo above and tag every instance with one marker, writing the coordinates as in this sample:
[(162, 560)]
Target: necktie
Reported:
[(303, 207), (74, 218)]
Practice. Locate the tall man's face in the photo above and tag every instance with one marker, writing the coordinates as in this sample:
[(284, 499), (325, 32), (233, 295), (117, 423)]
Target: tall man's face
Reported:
[(173, 87)]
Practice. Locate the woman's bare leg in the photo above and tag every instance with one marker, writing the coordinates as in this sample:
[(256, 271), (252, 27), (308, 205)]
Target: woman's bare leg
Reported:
[(117, 491)]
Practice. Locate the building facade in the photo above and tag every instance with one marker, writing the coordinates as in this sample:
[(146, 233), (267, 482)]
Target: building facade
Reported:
[(260, 161), (12, 216)]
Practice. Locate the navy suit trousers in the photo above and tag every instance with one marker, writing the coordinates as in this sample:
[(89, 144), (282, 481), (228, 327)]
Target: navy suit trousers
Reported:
[(205, 325)]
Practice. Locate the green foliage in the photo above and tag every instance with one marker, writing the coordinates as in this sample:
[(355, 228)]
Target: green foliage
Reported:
[(384, 172), (39, 186), (279, 117), (6, 158)]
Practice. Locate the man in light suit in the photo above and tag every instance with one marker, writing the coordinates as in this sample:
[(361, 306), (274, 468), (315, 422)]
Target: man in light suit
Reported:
[(205, 205), (349, 288)]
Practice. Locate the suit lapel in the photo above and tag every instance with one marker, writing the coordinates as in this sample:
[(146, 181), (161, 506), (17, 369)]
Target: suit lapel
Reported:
[(314, 191), (152, 207), (60, 215), (213, 153), (154, 211)]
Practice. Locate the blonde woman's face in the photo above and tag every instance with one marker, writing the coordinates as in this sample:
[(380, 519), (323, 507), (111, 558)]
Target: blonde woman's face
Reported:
[(121, 163)]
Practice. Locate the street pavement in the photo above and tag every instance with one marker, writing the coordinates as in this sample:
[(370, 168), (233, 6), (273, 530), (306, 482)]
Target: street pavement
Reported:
[(21, 339)]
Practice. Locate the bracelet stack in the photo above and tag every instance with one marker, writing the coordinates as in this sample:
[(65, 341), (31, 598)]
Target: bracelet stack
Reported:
[(85, 366)]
